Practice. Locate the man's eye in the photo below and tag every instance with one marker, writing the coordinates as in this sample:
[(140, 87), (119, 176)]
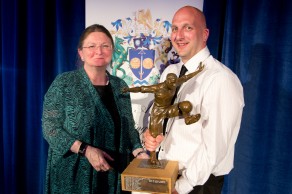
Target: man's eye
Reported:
[(174, 29), (189, 28), (91, 47), (105, 46)]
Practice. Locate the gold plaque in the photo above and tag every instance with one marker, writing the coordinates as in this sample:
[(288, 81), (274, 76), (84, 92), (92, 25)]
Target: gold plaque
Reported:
[(141, 176)]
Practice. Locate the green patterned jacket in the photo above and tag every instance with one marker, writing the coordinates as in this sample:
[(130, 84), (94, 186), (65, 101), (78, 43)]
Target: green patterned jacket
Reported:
[(72, 111)]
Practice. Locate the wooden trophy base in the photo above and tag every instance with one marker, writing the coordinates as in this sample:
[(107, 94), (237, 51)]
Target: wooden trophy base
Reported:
[(140, 176)]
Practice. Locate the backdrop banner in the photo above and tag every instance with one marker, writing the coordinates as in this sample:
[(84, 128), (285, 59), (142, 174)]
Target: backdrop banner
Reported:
[(141, 31)]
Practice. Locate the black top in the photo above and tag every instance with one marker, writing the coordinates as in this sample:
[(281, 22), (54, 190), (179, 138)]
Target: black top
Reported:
[(107, 97)]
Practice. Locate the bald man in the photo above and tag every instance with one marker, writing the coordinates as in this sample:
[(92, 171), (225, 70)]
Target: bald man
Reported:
[(205, 149)]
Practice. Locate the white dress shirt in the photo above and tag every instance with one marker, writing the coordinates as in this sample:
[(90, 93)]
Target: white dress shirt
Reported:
[(207, 146)]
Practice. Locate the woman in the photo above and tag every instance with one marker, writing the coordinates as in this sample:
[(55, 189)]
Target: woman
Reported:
[(88, 123)]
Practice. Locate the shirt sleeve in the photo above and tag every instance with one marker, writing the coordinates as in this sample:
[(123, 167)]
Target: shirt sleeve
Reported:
[(221, 111)]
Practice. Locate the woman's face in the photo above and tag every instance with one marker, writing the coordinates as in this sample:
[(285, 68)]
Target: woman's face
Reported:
[(97, 50)]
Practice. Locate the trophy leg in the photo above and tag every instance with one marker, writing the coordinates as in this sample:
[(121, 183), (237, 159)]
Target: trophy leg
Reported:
[(153, 159), (185, 108), (192, 119)]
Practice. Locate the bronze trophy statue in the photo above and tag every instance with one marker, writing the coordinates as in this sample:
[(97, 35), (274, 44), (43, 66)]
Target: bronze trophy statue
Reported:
[(162, 107)]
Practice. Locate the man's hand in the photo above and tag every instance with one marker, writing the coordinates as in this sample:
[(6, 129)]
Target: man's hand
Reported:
[(152, 143), (174, 192)]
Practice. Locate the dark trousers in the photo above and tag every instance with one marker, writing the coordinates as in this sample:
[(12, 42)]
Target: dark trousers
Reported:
[(213, 186)]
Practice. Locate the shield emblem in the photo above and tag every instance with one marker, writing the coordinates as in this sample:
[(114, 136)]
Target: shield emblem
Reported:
[(141, 62)]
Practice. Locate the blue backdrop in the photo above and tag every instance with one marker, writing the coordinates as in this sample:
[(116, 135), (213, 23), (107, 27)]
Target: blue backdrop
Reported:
[(39, 40)]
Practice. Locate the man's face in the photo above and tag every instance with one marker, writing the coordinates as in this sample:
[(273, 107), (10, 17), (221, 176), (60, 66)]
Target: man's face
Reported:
[(189, 33)]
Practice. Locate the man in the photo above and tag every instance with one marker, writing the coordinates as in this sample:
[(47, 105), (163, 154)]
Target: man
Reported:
[(205, 149)]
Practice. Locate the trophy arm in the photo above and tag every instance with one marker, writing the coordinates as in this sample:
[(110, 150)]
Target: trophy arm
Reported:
[(185, 78)]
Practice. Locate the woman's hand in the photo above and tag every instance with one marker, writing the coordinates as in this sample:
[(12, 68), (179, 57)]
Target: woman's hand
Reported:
[(98, 159), (140, 153)]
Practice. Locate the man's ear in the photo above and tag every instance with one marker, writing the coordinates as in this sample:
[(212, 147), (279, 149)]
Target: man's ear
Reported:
[(206, 35)]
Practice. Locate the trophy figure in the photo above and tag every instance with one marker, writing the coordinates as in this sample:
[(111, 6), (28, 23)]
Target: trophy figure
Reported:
[(162, 107), (152, 175)]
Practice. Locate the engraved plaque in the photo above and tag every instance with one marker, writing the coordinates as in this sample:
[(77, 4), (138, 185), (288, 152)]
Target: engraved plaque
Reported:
[(146, 184), (143, 177)]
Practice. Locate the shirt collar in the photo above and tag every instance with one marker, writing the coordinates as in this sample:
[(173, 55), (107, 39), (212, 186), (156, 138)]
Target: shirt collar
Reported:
[(194, 62)]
